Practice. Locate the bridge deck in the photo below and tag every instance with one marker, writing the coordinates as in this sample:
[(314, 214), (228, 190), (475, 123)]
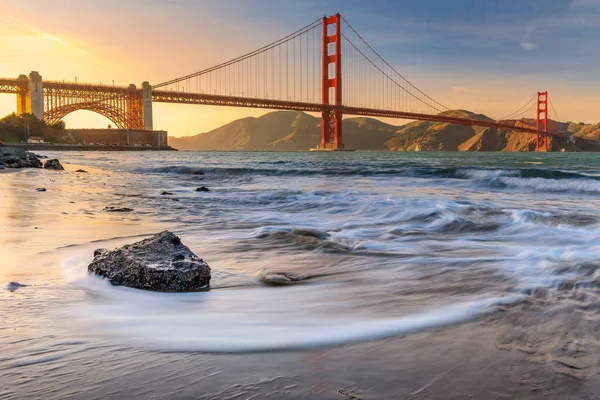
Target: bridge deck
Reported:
[(164, 96), (217, 100)]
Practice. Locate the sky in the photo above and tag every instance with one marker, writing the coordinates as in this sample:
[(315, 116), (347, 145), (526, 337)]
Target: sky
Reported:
[(487, 56)]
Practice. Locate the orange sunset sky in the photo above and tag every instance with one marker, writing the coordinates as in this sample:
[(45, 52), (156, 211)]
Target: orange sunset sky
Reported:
[(463, 60)]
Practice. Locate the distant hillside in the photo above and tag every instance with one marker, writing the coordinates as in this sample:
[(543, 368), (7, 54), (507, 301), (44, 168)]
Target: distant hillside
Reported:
[(289, 130), (437, 136), (286, 130)]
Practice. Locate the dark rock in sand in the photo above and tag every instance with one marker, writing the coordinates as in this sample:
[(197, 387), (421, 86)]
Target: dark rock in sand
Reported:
[(118, 209), (160, 263), (14, 286), (165, 193), (203, 189), (279, 278), (18, 158), (54, 164), (41, 189), (82, 171)]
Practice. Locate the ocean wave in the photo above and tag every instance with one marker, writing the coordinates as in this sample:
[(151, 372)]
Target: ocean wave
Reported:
[(306, 238), (387, 169), (553, 185), (173, 169), (487, 174)]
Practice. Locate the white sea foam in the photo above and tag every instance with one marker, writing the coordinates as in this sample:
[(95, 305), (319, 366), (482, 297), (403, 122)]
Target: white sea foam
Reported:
[(553, 185), (250, 320), (484, 174)]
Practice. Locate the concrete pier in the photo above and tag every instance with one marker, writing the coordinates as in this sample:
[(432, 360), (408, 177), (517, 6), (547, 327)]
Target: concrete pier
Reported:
[(35, 97), (147, 105), (22, 95)]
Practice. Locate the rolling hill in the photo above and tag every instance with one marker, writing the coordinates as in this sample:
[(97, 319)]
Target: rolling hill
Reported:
[(290, 130), (286, 130)]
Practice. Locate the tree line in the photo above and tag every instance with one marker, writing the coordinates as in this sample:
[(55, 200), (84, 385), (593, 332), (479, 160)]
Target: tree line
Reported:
[(18, 128)]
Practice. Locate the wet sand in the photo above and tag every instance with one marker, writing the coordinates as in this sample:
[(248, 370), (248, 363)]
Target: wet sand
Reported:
[(469, 361), (546, 346)]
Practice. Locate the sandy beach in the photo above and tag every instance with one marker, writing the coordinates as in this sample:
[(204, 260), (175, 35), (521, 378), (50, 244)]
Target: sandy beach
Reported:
[(68, 335)]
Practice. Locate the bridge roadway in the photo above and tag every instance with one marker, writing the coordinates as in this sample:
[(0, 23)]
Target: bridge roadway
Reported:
[(217, 100), (101, 93)]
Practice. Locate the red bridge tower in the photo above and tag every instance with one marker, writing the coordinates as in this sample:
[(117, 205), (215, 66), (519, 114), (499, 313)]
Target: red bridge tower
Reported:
[(331, 122), (541, 143)]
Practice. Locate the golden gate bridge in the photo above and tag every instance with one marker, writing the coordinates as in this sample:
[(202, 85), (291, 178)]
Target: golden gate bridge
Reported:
[(326, 67)]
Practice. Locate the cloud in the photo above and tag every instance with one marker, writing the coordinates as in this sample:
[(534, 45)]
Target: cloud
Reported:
[(528, 46), (44, 35)]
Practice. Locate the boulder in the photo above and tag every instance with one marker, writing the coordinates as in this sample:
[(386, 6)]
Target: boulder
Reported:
[(11, 157), (54, 164), (203, 189), (160, 263)]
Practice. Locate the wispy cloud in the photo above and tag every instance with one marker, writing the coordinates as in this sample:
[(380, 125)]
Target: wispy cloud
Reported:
[(45, 35), (528, 46)]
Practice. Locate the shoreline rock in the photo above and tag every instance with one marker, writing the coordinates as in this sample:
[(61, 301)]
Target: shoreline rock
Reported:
[(12, 286), (160, 263), (18, 158), (54, 164)]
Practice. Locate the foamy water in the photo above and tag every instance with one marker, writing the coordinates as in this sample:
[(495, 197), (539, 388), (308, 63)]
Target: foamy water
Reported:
[(389, 244)]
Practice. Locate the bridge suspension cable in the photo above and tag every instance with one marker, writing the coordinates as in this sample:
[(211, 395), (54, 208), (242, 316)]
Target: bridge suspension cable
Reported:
[(290, 69), (285, 70), (524, 109), (553, 109), (375, 83)]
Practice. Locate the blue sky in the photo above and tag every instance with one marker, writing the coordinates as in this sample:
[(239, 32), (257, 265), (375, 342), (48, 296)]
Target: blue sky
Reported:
[(484, 55)]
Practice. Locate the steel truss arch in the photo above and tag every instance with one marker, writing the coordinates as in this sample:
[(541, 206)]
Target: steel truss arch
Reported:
[(115, 114)]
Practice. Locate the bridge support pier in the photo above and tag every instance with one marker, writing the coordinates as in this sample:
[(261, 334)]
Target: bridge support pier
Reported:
[(35, 97), (147, 105), (23, 83)]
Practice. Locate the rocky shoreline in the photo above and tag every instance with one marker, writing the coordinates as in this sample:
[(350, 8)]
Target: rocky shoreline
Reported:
[(18, 158)]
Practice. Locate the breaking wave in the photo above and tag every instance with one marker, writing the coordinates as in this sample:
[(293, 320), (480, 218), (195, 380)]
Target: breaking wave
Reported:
[(173, 169)]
